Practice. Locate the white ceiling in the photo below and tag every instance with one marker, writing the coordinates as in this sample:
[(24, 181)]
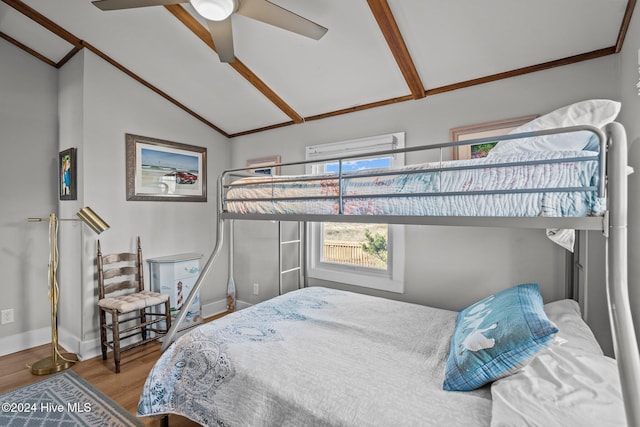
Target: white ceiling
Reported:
[(450, 42)]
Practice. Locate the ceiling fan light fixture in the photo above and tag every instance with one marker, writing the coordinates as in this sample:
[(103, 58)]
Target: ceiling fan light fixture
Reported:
[(214, 10)]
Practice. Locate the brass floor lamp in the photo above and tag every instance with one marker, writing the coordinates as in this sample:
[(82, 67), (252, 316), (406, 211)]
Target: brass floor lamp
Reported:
[(60, 361)]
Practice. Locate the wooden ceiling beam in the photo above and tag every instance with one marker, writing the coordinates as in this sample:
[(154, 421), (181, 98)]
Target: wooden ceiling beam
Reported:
[(624, 27), (448, 88), (389, 27), (327, 115), (36, 16), (68, 56), (203, 34), (27, 49), (79, 44), (49, 25), (524, 70), (153, 88)]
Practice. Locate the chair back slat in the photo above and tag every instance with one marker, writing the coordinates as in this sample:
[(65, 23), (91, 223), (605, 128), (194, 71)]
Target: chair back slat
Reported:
[(126, 273), (123, 257), (121, 271), (120, 286)]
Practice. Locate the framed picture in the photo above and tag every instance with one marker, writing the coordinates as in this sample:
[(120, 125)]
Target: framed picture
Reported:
[(160, 170), (265, 165), (67, 174), (483, 130)]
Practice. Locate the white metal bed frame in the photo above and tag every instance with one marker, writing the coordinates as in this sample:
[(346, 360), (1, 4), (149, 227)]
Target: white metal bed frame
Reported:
[(612, 159)]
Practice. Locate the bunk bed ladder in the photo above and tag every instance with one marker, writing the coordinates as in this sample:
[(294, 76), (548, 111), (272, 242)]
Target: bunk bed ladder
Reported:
[(282, 243)]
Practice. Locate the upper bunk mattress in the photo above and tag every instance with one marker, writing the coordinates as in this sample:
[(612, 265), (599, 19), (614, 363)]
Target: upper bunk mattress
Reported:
[(563, 187)]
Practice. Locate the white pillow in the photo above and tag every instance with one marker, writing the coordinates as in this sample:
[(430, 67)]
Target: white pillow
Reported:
[(572, 329), (566, 384), (560, 387), (593, 112)]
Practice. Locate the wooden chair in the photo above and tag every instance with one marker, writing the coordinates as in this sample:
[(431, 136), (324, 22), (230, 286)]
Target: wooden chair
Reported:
[(133, 309)]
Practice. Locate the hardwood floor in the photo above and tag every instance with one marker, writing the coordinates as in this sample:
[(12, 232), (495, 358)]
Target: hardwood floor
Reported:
[(124, 388)]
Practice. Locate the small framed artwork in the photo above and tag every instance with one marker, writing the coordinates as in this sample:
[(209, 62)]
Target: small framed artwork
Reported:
[(67, 174), (159, 170), (483, 130), (265, 165)]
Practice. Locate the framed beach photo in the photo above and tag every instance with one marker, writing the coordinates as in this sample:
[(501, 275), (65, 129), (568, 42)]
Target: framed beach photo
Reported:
[(483, 130), (67, 174), (159, 170)]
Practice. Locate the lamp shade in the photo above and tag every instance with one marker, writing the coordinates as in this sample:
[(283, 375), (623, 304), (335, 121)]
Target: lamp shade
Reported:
[(89, 217), (214, 10)]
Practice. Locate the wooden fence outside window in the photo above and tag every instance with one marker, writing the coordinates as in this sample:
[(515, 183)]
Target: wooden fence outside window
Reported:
[(345, 252)]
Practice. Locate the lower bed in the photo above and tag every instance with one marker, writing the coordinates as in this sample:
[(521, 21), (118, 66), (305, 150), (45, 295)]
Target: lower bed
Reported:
[(323, 357)]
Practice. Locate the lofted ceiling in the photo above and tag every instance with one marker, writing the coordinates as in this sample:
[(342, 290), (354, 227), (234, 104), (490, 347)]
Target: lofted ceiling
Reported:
[(376, 52)]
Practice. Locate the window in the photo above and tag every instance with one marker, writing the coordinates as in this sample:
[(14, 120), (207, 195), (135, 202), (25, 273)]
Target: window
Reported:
[(369, 255)]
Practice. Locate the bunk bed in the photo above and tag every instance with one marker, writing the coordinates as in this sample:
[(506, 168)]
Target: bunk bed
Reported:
[(274, 363)]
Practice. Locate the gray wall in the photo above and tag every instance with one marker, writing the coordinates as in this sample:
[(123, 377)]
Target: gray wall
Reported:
[(114, 104), (630, 97), (91, 108), (445, 267), (28, 136)]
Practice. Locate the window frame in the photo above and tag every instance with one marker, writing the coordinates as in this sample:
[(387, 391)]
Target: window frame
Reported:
[(392, 279)]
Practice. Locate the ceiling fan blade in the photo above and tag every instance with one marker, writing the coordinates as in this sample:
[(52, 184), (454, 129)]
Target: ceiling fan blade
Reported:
[(264, 11), (130, 4), (222, 35)]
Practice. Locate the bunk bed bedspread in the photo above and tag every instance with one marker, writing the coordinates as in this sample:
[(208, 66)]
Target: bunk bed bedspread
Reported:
[(242, 194), (315, 357)]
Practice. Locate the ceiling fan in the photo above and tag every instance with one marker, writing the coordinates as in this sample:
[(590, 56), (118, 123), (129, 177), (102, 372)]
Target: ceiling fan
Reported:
[(218, 15)]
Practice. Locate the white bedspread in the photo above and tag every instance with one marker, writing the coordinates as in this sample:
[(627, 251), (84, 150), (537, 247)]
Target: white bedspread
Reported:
[(316, 357)]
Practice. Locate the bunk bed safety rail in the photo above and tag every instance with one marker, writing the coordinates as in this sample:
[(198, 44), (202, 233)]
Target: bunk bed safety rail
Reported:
[(340, 178), (391, 172), (602, 142)]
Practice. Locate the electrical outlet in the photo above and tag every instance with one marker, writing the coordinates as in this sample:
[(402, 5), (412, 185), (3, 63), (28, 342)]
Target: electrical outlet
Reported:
[(7, 316), (256, 289)]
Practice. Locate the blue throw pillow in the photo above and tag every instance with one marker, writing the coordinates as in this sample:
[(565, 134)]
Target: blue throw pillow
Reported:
[(496, 336)]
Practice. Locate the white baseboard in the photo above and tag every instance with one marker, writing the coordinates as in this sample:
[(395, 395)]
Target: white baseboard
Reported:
[(25, 340), (242, 304), (37, 337), (89, 348), (72, 343), (213, 308), (217, 307)]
